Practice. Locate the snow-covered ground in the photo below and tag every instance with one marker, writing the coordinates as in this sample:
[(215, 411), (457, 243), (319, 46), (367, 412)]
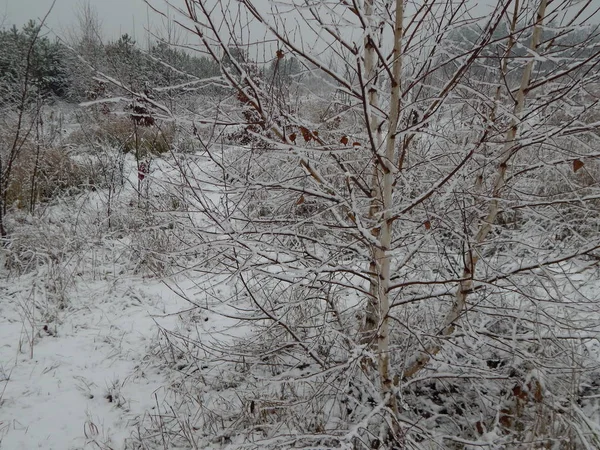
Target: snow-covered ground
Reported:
[(78, 329), (81, 381)]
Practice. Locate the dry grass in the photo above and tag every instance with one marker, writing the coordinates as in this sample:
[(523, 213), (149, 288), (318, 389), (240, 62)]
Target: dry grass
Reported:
[(121, 133), (41, 174)]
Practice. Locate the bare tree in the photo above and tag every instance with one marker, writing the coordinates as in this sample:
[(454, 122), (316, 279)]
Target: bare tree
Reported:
[(26, 119), (393, 267), (86, 39)]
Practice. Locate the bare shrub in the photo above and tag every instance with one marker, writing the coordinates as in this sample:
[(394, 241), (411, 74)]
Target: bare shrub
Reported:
[(35, 242), (124, 134), (42, 176)]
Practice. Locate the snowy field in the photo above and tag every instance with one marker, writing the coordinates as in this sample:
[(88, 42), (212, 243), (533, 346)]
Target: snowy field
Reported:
[(77, 333), (364, 225), (83, 380)]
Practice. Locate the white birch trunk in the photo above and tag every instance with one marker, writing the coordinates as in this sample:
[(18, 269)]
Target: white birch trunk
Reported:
[(382, 182), (466, 286), (372, 313), (387, 203)]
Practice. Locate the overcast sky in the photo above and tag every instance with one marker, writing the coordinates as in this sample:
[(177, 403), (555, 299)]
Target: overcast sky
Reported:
[(117, 16)]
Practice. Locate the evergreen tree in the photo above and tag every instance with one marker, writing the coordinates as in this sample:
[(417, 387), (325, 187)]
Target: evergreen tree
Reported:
[(27, 57)]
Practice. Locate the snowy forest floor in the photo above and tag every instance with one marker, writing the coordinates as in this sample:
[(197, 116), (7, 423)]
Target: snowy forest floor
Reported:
[(79, 326), (85, 302), (83, 380)]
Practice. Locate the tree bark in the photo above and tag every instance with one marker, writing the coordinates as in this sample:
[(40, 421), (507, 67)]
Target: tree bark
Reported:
[(387, 203), (471, 258)]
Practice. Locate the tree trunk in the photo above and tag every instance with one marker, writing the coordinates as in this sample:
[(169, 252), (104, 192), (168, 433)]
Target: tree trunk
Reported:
[(386, 226), (471, 258), (373, 312)]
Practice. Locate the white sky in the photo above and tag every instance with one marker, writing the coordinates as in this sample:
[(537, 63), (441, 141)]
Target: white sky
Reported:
[(117, 16)]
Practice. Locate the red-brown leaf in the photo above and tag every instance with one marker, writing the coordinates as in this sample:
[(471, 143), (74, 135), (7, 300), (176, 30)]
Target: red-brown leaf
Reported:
[(305, 133)]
